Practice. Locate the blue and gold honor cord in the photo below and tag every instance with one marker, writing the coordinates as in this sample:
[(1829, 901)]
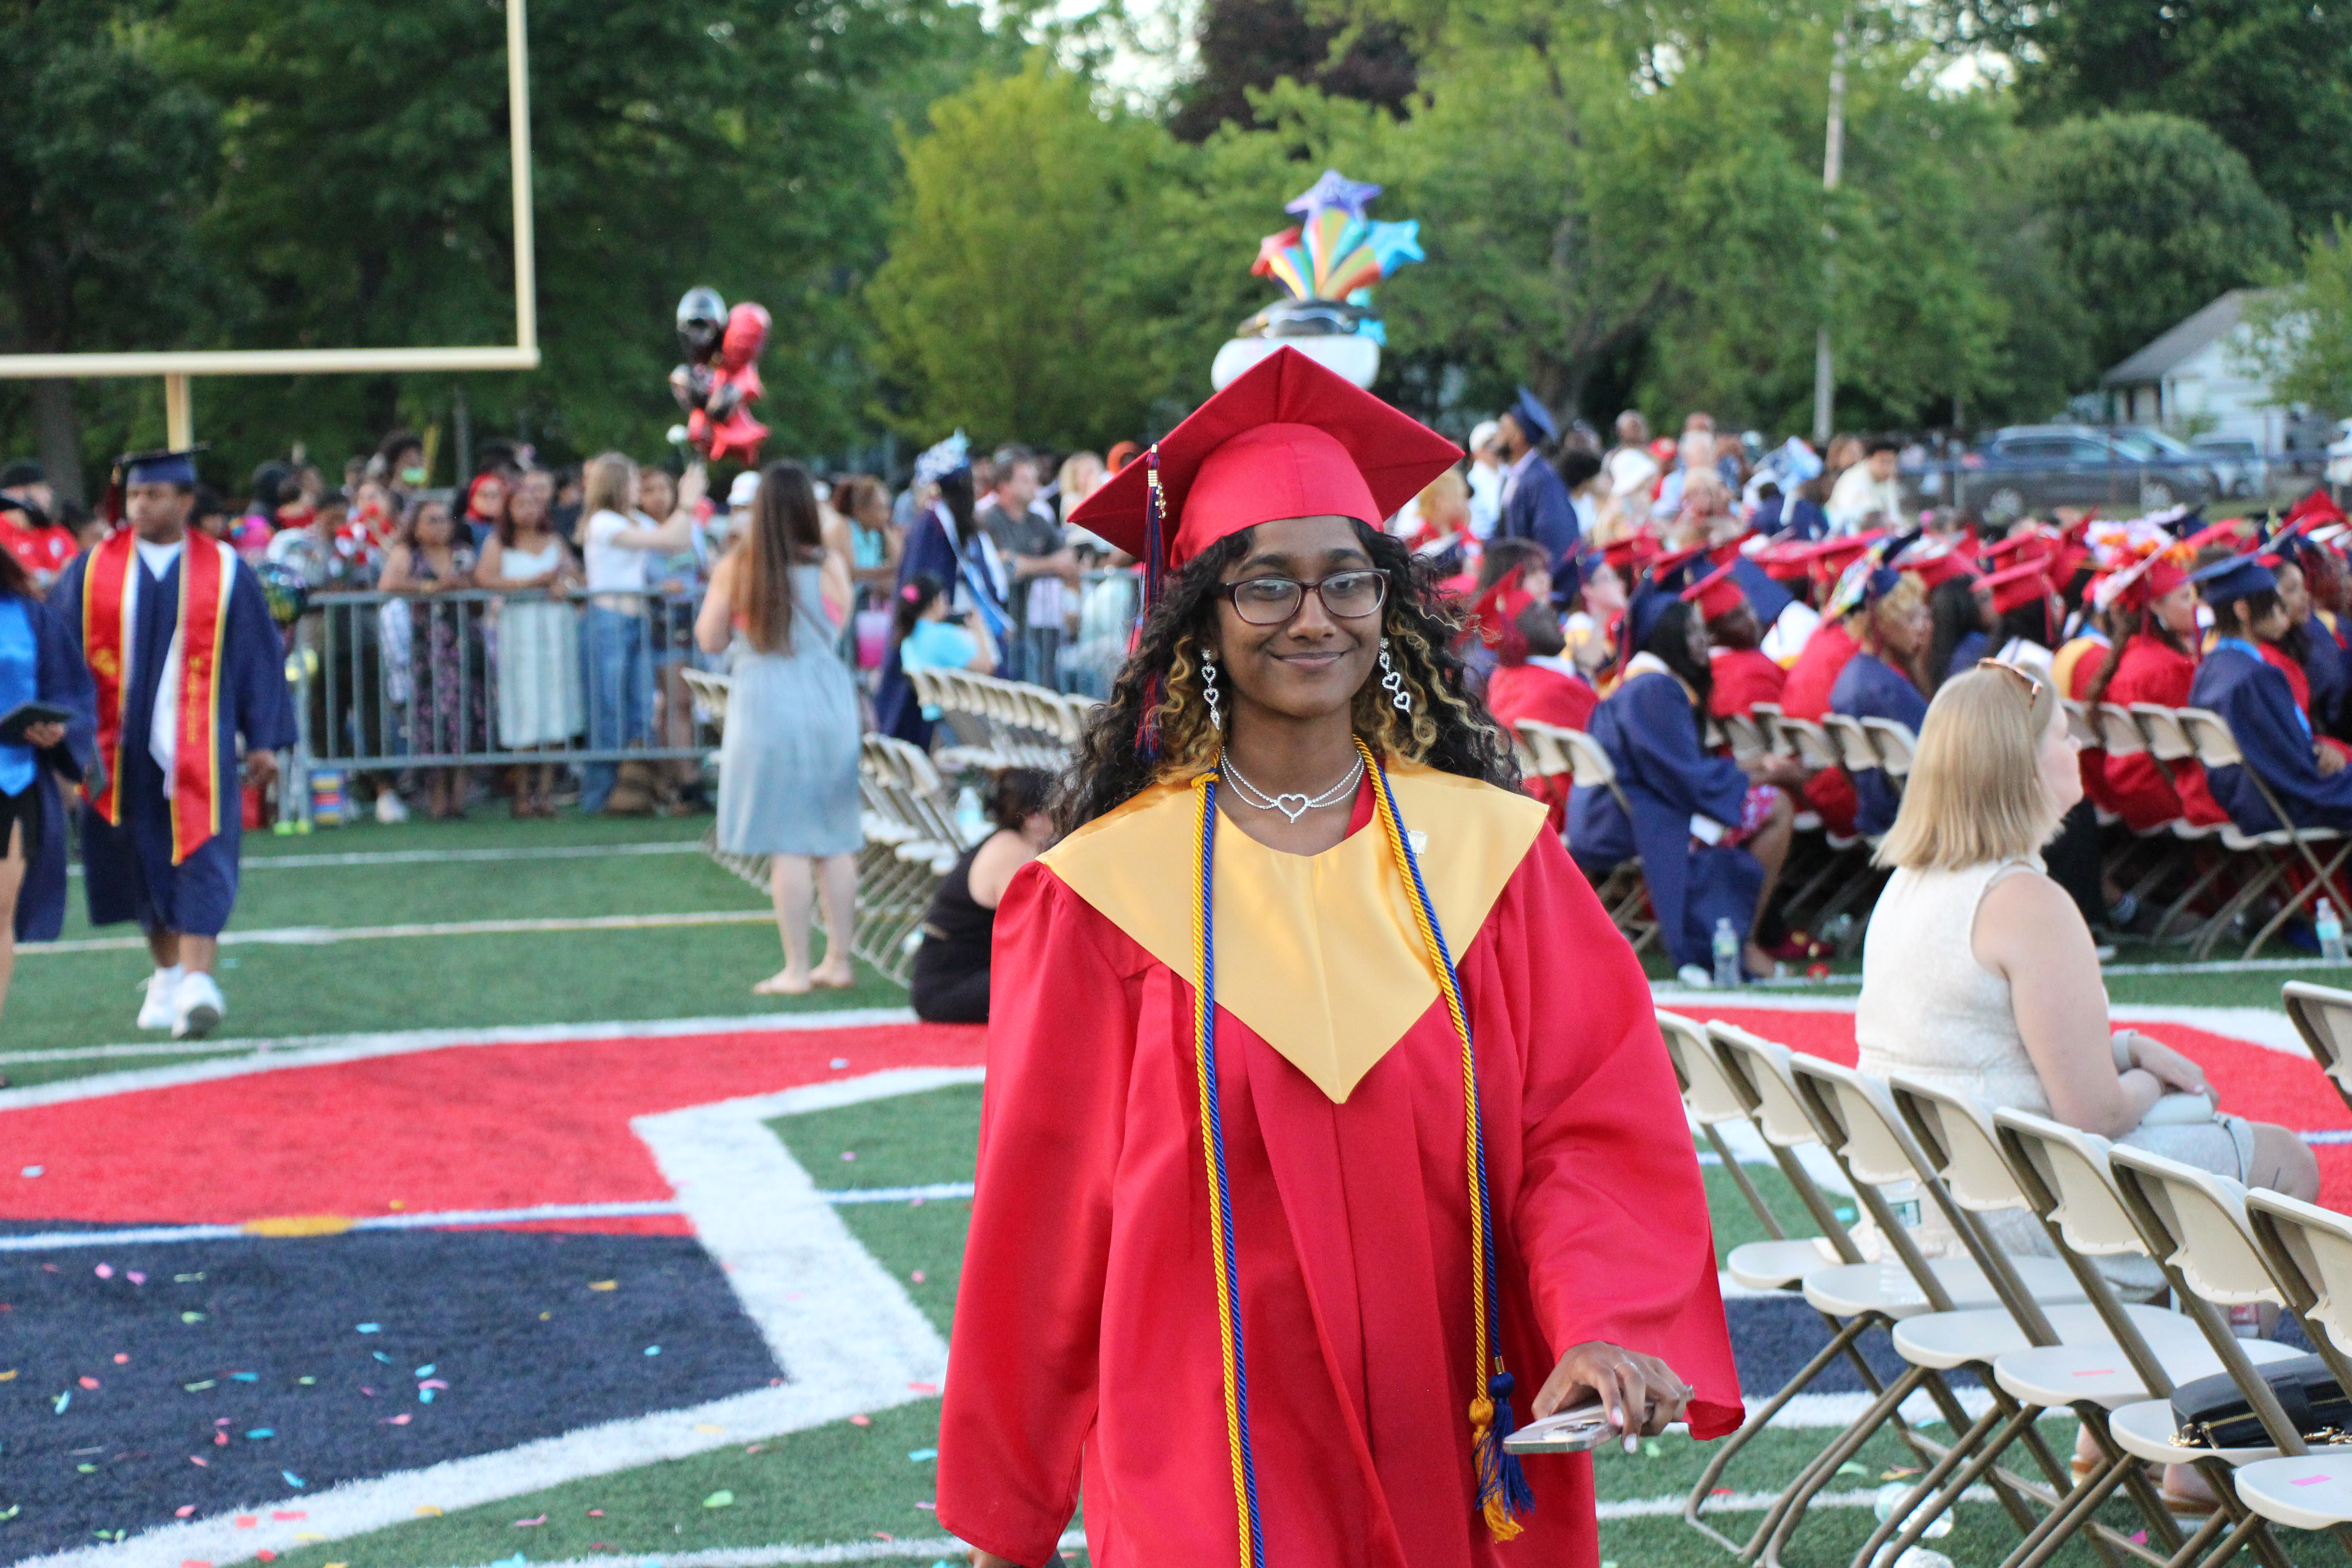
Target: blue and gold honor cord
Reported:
[(1502, 1488)]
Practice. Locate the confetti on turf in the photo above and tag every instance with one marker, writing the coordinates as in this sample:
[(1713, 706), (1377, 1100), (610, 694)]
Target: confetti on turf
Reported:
[(136, 1277), (33, 1170), (8, 1376), (248, 1521), (204, 1463), (923, 1387), (297, 1483), (604, 1284), (917, 1277), (720, 1500), (426, 1510), (427, 1369), (400, 1420), (368, 1329), (917, 1455), (531, 1523), (929, 1507), (191, 1317), (284, 1516), (121, 1360), (86, 1382), (259, 1433), (861, 1421), (246, 1376), (707, 1427), (653, 1350), (104, 1271), (63, 1400), (183, 1510), (1851, 1468)]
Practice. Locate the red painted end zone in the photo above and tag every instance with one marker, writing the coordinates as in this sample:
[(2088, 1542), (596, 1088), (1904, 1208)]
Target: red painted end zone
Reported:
[(473, 1127), (2251, 1081)]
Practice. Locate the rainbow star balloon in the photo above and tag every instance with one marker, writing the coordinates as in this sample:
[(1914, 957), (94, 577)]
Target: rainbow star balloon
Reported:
[(1336, 252)]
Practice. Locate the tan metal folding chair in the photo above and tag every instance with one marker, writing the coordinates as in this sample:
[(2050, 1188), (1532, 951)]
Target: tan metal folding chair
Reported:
[(2323, 1016), (1624, 892), (2308, 1251), (2217, 748)]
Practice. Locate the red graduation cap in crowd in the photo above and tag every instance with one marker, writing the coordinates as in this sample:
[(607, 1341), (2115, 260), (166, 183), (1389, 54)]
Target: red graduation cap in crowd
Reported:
[(1285, 439), (1629, 553), (1674, 560), (2138, 585), (2013, 586), (2027, 544), (2225, 531), (1936, 567), (2317, 509), (1717, 593)]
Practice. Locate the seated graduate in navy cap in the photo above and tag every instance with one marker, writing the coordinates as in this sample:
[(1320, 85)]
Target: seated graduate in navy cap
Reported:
[(1536, 502), (186, 664), (2308, 644), (1891, 635), (1711, 832), (2255, 698)]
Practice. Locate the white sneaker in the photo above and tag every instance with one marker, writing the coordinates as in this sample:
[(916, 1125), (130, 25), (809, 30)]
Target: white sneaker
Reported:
[(390, 808), (163, 988), (197, 1011)]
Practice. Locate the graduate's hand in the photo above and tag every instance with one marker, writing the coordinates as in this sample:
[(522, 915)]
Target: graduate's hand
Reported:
[(2330, 761), (41, 737), (1641, 1393), (260, 768)]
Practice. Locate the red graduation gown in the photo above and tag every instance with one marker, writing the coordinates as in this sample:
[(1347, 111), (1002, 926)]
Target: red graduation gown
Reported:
[(1743, 677), (2147, 793), (1085, 1343)]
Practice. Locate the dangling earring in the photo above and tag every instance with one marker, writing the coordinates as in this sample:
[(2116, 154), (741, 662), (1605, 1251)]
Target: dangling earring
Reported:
[(1209, 690), (1393, 683)]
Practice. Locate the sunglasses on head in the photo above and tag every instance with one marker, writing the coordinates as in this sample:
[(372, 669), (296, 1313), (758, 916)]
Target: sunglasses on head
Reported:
[(2032, 681)]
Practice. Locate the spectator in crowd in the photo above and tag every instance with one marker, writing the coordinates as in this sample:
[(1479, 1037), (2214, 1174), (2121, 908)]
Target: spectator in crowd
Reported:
[(85, 526), (400, 466), (931, 634), (1694, 454), (1979, 974), (1653, 728), (486, 503), (2309, 645), (1597, 516), (950, 983), (788, 762), (28, 483), (1631, 468), (1866, 495), (1535, 503), (2240, 682), (945, 543), (1890, 637), (1485, 479), (619, 542), (210, 516), (860, 531), (540, 703), (1082, 475), (272, 489), (1439, 524), (571, 498), (1043, 569), (39, 663), (430, 558)]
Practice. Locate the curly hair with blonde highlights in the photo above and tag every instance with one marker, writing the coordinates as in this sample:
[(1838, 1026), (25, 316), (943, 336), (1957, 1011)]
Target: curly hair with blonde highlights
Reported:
[(1447, 726)]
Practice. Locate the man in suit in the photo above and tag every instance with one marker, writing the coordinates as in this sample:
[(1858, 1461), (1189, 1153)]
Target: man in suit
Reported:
[(1536, 503)]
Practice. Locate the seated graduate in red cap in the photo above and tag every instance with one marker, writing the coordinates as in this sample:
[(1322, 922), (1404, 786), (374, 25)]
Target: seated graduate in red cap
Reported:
[(1744, 675), (1893, 633), (2153, 614), (1531, 679), (2254, 696), (188, 668), (1301, 897), (1711, 832), (1959, 613)]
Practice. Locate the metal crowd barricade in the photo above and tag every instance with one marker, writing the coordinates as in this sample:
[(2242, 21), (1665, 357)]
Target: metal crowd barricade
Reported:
[(386, 682)]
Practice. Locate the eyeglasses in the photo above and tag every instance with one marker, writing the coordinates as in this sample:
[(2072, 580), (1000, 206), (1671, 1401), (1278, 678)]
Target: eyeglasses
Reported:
[(1270, 601), (2032, 681)]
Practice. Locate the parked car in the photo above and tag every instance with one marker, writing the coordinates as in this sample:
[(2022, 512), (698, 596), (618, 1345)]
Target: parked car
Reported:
[(2238, 464), (2036, 467)]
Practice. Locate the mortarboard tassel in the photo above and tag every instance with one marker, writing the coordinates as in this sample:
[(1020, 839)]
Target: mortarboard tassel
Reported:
[(1147, 739)]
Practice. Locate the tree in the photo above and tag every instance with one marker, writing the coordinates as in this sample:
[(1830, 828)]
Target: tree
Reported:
[(1018, 297), (1247, 46), (2149, 217), (2303, 332), (105, 168), (2272, 77)]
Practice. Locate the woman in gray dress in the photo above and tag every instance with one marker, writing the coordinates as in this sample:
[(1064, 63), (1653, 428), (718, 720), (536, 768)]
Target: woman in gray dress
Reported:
[(788, 765)]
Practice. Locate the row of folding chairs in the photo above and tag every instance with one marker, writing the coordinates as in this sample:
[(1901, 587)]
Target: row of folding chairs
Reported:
[(2252, 866), (2040, 1334), (1001, 724), (911, 841)]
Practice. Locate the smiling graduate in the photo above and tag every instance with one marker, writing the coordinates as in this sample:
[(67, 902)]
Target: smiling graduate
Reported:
[(1299, 905)]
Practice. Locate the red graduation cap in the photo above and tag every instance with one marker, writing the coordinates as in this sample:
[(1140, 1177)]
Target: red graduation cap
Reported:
[(1630, 552), (1715, 594), (1833, 556), (1285, 439), (2025, 544), (1933, 568), (1787, 562), (2217, 532), (2019, 585), (2317, 509), (1674, 560)]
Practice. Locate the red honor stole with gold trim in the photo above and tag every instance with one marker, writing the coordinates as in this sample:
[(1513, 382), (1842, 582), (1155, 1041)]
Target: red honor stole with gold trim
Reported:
[(207, 572)]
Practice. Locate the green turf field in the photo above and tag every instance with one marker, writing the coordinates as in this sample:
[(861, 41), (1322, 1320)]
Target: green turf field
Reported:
[(846, 1484)]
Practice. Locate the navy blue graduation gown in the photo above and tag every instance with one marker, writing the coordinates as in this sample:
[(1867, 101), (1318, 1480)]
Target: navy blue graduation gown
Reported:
[(127, 871), (2325, 664), (1538, 508), (1965, 654), (1652, 735), (929, 548), (1868, 687), (60, 678), (2274, 737)]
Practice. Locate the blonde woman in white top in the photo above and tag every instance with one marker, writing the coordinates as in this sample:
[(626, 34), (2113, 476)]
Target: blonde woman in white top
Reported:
[(1978, 974)]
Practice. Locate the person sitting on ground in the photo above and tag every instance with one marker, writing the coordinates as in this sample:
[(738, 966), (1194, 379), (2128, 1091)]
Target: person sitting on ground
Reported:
[(950, 983), (2256, 700), (1876, 682), (1711, 832), (1979, 974)]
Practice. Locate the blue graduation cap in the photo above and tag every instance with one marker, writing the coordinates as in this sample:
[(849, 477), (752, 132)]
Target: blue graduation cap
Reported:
[(159, 467), (2239, 577), (1649, 601), (1533, 416)]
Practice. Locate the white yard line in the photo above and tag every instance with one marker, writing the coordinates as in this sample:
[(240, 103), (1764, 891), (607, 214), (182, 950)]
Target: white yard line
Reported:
[(327, 936), (840, 1325), (319, 1050), (436, 856)]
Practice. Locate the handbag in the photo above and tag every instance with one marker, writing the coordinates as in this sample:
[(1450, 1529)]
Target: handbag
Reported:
[(2211, 1412)]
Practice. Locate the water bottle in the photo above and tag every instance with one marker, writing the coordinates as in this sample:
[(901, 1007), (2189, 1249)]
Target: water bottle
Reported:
[(1726, 954), (971, 822), (2329, 928), (1890, 1497)]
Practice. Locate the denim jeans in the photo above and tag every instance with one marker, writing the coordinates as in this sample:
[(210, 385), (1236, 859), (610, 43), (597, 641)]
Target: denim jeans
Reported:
[(619, 696)]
